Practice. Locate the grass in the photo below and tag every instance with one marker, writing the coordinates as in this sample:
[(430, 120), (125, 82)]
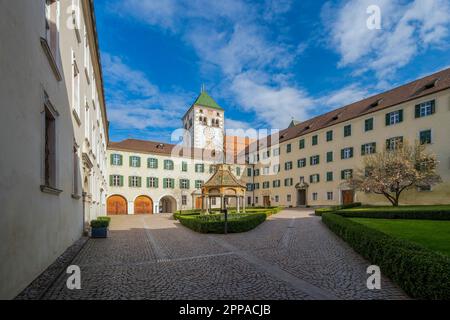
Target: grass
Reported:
[(402, 208), (431, 234)]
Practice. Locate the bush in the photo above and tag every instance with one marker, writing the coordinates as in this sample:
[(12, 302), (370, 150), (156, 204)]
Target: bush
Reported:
[(268, 211), (99, 223), (422, 273), (215, 223), (320, 211), (194, 212), (406, 212), (105, 219)]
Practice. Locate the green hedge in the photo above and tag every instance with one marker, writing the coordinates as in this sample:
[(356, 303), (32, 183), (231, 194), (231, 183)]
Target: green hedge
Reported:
[(214, 223), (268, 211), (422, 273), (320, 211), (406, 212), (105, 218), (99, 223)]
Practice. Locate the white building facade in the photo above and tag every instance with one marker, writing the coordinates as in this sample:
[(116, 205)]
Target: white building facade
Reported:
[(54, 130)]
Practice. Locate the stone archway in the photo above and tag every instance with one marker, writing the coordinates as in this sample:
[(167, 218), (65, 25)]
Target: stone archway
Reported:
[(143, 205), (167, 204), (116, 204)]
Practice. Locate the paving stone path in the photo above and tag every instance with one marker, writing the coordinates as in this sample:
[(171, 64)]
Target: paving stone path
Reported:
[(290, 256)]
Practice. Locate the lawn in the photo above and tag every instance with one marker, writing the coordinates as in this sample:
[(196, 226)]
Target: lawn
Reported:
[(432, 234), (400, 208)]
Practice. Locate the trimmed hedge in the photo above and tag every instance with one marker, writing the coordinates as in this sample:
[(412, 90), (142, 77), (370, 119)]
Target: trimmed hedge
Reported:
[(268, 211), (407, 212), (105, 218), (320, 211), (422, 273), (215, 223), (99, 223)]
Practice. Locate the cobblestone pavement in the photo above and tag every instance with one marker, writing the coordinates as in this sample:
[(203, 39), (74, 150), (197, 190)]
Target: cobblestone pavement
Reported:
[(290, 256)]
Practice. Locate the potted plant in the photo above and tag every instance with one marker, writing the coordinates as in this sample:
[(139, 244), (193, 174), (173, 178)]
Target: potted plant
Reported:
[(99, 227)]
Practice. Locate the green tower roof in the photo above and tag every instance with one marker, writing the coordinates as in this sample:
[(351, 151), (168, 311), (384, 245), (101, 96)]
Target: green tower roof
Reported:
[(205, 100)]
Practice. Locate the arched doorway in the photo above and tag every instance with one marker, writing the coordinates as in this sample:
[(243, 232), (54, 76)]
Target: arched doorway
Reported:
[(143, 205), (167, 204), (116, 204)]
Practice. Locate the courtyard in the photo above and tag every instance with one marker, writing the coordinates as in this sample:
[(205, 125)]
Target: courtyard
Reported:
[(290, 256)]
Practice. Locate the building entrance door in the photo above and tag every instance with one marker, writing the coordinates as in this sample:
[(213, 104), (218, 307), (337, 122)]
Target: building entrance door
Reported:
[(347, 196), (301, 197), (266, 201)]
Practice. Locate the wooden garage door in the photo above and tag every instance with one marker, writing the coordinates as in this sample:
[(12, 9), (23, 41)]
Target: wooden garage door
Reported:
[(143, 205), (116, 205)]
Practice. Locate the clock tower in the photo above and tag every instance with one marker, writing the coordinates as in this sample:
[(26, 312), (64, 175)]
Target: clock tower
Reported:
[(204, 123)]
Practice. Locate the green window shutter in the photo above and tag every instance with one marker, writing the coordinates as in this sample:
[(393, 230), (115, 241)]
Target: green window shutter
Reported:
[(310, 179), (417, 112), (363, 150), (351, 152), (148, 182), (139, 182), (342, 174), (172, 183), (110, 180), (156, 182), (388, 115), (318, 178), (139, 161), (111, 159), (188, 184), (374, 147), (433, 107), (342, 153), (400, 115), (129, 181), (164, 183), (121, 181)]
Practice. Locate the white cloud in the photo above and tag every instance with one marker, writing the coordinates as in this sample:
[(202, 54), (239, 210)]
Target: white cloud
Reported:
[(407, 30), (343, 97)]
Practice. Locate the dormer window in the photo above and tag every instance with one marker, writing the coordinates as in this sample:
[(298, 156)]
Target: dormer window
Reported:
[(160, 146), (430, 85), (375, 103)]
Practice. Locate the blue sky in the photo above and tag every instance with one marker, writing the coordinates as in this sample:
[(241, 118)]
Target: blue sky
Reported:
[(265, 62)]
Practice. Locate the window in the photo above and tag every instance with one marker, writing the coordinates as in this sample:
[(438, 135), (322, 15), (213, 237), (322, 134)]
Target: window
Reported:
[(86, 123), (135, 161), (134, 181), (87, 54), (184, 166), (301, 163), (116, 180), (315, 140), (76, 173), (329, 176), (152, 163), (368, 124), (301, 144), (276, 168), (425, 137), (288, 148), (75, 88), (266, 170), (276, 151), (394, 117), (256, 186), (329, 196), (424, 188), (198, 184), (314, 178), (213, 201), (168, 165), (368, 148), (347, 153), (314, 160), (184, 183), (256, 172), (288, 165), (288, 182), (238, 171), (266, 184), (116, 159), (256, 199), (249, 172), (168, 183), (276, 183), (329, 135), (212, 169), (50, 165), (394, 143), (152, 182), (249, 187), (76, 17), (425, 109), (277, 198), (330, 156), (315, 196), (346, 174), (183, 200), (348, 130)]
